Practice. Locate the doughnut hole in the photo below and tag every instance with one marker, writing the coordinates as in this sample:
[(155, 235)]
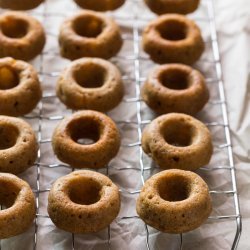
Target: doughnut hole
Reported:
[(85, 191), (8, 136), (8, 193), (174, 188), (175, 79), (15, 28), (178, 133), (172, 30), (85, 131), (8, 78), (90, 75), (88, 26)]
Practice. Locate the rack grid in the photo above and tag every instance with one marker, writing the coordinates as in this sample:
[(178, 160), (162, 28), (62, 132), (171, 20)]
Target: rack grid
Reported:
[(137, 78)]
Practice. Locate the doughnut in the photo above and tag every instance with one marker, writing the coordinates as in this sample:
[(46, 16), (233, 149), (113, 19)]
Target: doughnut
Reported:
[(90, 83), (20, 4), (83, 202), (87, 139), (173, 38), (175, 88), (20, 89), (21, 36), (18, 199), (174, 201), (18, 145), (89, 34), (100, 5), (178, 141), (172, 6)]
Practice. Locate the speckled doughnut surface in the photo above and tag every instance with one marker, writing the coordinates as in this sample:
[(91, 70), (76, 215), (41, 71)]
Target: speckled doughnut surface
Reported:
[(20, 89), (89, 34), (20, 4), (100, 5), (21, 36), (90, 83), (18, 145), (18, 198), (175, 88), (178, 141), (172, 6), (86, 124), (173, 38), (83, 202), (174, 201)]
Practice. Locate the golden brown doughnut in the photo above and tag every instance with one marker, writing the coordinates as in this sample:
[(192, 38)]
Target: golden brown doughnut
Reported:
[(100, 5), (83, 202), (90, 83), (18, 145), (89, 34), (20, 89), (173, 38), (21, 36), (172, 6), (178, 141), (20, 4), (92, 125), (18, 198), (175, 88), (174, 201)]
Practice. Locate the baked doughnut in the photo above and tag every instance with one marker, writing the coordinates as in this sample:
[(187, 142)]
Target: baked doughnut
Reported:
[(173, 38), (20, 5), (18, 198), (172, 6), (18, 145), (90, 83), (21, 36), (20, 89), (100, 5), (174, 201), (178, 141), (175, 88), (87, 139), (83, 202), (89, 34)]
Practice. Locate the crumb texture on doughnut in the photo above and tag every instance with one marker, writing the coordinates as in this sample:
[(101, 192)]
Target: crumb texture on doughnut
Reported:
[(87, 139), (21, 36), (18, 145), (175, 88), (174, 201), (20, 4), (20, 89), (100, 5), (83, 202), (89, 34), (178, 141), (172, 6), (18, 200), (90, 83), (173, 38)]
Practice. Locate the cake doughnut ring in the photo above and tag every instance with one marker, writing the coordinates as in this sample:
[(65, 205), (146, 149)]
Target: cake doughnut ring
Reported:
[(21, 36), (174, 201), (92, 125), (178, 141), (89, 34), (83, 202), (20, 5), (90, 83), (20, 89), (173, 38), (18, 198)]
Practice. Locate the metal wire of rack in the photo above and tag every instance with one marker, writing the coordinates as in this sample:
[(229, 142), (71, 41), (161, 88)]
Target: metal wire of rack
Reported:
[(138, 79)]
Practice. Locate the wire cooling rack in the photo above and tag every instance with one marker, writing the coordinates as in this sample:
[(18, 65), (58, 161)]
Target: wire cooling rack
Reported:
[(132, 58)]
